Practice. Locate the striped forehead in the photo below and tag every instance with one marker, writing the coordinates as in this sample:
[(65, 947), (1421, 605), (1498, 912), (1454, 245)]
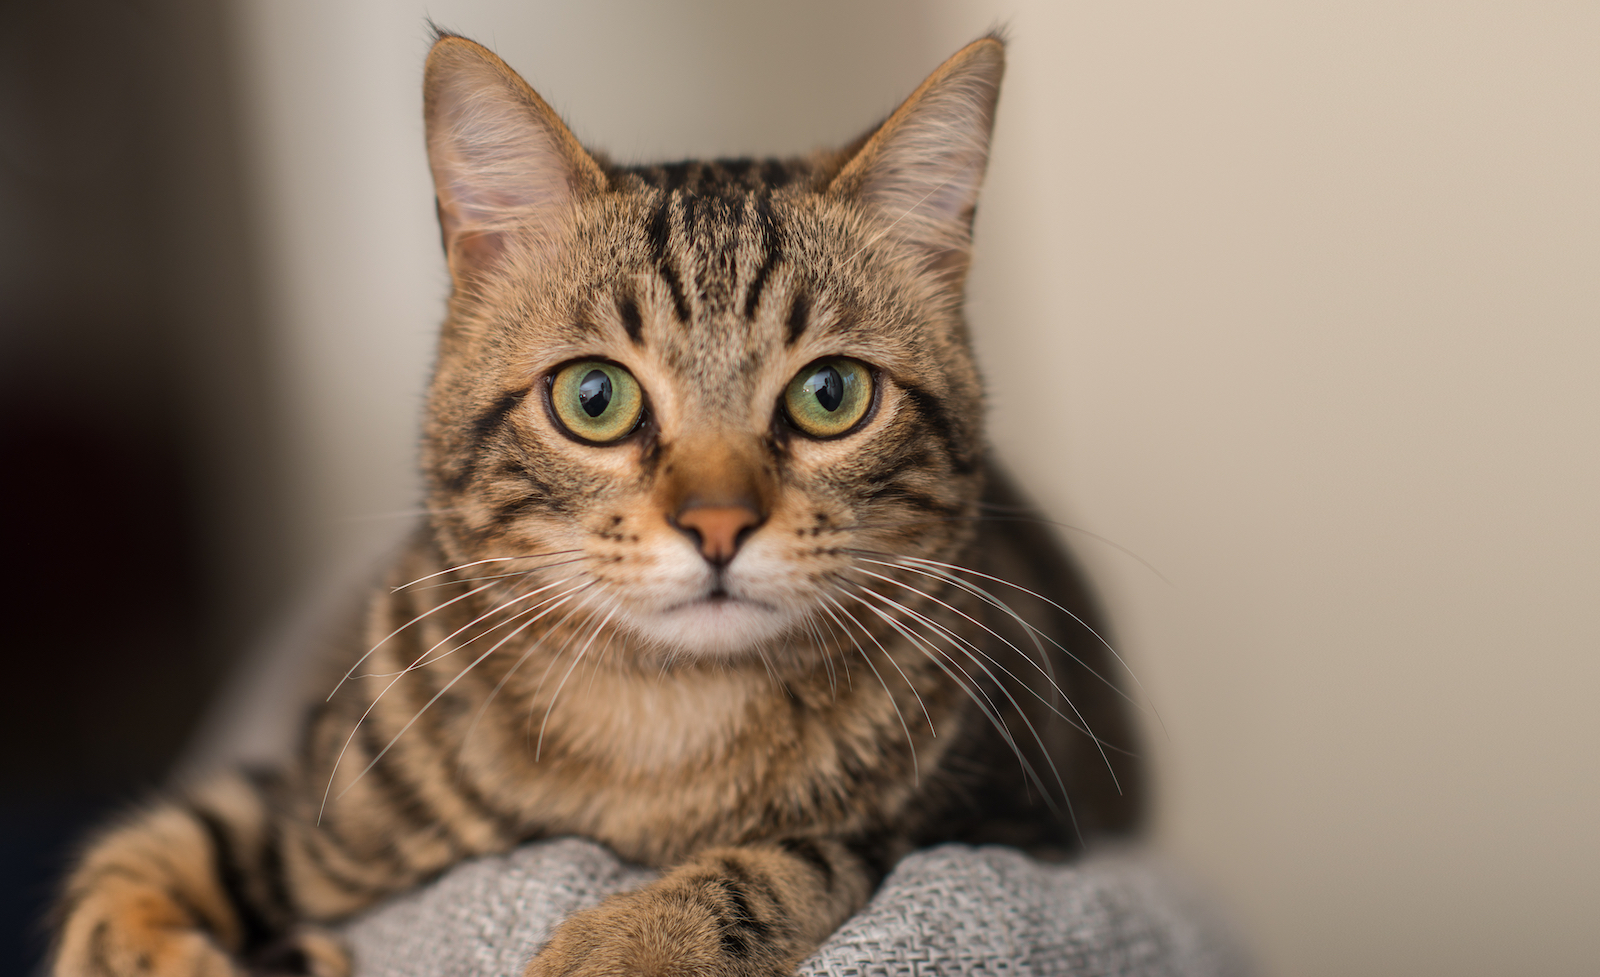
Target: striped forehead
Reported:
[(714, 291)]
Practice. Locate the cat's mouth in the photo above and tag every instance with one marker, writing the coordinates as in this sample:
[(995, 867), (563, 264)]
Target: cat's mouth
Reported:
[(715, 622), (719, 597)]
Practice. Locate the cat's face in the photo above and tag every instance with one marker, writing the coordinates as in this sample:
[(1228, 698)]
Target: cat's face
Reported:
[(694, 396)]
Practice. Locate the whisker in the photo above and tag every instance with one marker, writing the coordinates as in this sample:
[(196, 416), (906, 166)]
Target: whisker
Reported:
[(993, 710), (594, 668), (573, 634), (483, 709), (412, 721), (1082, 725), (425, 614), (1026, 514), (874, 639), (556, 696), (980, 699), (1034, 632), (1020, 515), (1085, 625), (423, 659), (544, 676), (825, 648), (478, 563), (501, 576), (916, 769), (367, 712), (385, 639)]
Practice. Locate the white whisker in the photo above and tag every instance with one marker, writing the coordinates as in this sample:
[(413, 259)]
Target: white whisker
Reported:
[(916, 769), (483, 709), (1082, 725), (990, 709), (874, 639), (539, 748), (332, 773), (502, 576), (428, 613), (1085, 625), (479, 563), (824, 647), (423, 659)]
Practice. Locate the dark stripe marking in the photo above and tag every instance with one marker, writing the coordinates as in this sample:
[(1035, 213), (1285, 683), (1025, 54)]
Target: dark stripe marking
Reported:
[(799, 317), (451, 708), (97, 947), (807, 851), (481, 431), (257, 928), (932, 411), (354, 886), (264, 783), (412, 809), (659, 232), (894, 491), (771, 253), (737, 919), (632, 322)]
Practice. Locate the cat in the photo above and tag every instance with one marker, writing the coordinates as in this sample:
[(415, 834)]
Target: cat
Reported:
[(717, 572)]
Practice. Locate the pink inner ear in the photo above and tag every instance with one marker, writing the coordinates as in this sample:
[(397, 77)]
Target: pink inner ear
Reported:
[(927, 175), (922, 171), (475, 250), (500, 158)]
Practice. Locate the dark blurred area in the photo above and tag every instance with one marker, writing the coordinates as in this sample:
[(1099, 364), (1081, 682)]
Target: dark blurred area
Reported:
[(135, 417)]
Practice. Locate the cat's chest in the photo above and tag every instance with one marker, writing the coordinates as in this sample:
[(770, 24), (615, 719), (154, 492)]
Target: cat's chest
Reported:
[(657, 767), (647, 726)]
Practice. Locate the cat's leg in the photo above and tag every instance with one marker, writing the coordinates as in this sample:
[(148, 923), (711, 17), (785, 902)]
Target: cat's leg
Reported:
[(728, 912), (189, 887)]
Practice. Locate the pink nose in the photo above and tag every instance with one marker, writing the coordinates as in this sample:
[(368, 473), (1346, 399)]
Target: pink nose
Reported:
[(718, 529)]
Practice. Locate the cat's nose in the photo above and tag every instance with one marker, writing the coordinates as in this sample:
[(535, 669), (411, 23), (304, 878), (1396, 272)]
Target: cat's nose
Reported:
[(718, 530)]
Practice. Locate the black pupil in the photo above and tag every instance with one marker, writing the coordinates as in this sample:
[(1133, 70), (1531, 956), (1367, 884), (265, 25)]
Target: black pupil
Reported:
[(828, 387), (594, 393)]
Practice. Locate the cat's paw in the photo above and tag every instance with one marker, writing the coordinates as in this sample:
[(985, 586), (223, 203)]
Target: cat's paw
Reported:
[(128, 930), (636, 935), (137, 930)]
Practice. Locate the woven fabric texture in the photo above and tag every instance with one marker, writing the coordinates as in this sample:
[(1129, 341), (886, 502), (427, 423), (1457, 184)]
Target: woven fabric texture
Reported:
[(951, 910)]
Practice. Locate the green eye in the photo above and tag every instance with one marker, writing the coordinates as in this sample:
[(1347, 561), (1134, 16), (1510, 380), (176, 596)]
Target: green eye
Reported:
[(829, 397), (596, 401)]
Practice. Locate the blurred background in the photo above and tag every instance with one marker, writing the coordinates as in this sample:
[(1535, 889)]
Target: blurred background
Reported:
[(1297, 303)]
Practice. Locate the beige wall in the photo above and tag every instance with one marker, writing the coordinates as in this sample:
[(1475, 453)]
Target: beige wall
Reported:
[(1300, 303)]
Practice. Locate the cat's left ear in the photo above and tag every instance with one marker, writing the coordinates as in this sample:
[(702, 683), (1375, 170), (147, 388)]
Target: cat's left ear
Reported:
[(506, 169), (919, 172)]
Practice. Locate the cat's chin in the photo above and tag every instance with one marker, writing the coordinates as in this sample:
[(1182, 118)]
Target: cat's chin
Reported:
[(712, 627)]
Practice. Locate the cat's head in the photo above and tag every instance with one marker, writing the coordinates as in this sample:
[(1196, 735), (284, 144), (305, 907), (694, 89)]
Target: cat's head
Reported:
[(696, 394)]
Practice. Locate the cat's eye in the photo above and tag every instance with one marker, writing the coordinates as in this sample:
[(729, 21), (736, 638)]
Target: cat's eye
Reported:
[(829, 397), (596, 401)]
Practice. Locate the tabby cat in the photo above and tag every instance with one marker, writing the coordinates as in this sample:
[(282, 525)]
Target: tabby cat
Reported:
[(716, 572)]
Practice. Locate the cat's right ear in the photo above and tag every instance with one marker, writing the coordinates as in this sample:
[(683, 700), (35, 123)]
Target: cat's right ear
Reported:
[(506, 169)]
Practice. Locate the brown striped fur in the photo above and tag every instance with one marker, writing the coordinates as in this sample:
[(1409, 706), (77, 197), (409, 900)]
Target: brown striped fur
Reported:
[(564, 649)]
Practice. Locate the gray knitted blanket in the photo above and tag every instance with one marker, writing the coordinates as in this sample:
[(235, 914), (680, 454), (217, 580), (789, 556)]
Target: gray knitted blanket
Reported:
[(951, 910)]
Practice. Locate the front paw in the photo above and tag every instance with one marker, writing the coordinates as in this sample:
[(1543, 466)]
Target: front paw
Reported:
[(137, 931), (641, 935)]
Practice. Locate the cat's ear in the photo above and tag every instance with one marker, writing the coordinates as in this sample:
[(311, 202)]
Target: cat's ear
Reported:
[(919, 171), (505, 167)]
